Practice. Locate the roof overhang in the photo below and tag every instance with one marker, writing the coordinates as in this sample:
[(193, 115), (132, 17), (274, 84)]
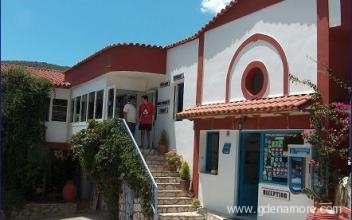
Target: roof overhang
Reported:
[(283, 105)]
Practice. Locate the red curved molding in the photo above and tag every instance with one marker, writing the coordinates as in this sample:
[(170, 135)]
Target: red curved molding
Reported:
[(121, 57), (246, 93), (252, 39)]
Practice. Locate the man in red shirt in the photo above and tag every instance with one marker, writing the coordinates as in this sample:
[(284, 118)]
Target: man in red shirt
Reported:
[(146, 119)]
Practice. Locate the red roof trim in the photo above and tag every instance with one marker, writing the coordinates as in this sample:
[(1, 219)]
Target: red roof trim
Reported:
[(118, 57), (110, 47)]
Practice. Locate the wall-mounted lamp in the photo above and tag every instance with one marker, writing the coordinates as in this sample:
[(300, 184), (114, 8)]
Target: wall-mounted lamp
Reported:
[(242, 120)]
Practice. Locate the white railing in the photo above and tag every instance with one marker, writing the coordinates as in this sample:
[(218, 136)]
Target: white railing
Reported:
[(154, 202)]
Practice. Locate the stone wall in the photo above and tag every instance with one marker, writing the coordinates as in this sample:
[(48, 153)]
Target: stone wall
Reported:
[(130, 207)]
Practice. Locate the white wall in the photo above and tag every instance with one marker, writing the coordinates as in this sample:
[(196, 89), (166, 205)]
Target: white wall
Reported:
[(57, 131), (292, 23), (180, 59), (296, 200), (217, 192), (136, 81)]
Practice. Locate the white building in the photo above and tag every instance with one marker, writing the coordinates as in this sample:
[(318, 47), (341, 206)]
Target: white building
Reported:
[(223, 95)]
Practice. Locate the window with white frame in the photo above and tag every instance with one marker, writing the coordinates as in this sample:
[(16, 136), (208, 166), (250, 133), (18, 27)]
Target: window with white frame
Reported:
[(110, 102), (99, 104), (91, 98), (72, 109), (59, 110), (178, 98), (84, 108), (77, 109), (212, 152)]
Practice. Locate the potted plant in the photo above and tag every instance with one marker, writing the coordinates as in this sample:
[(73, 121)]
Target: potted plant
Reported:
[(163, 142), (69, 192), (173, 160), (329, 129), (185, 176)]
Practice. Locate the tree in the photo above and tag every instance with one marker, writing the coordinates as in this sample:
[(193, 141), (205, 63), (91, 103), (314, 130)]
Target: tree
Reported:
[(25, 159)]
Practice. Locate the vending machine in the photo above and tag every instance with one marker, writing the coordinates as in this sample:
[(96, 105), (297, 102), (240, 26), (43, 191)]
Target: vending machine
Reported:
[(299, 170)]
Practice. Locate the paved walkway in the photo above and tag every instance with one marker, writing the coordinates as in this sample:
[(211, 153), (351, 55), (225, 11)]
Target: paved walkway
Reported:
[(83, 216)]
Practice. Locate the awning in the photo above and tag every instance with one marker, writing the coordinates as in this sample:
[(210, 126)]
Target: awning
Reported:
[(282, 104)]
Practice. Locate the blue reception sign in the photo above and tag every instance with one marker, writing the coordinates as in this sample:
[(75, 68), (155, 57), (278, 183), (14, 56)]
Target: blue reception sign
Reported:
[(226, 148), (299, 150)]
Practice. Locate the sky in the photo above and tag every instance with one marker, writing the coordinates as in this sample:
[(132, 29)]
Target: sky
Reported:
[(64, 32)]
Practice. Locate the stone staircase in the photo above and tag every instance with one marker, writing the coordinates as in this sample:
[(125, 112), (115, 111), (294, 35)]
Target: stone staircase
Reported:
[(173, 203)]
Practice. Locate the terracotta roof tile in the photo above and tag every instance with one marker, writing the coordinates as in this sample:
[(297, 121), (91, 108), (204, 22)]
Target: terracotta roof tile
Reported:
[(57, 77), (265, 105)]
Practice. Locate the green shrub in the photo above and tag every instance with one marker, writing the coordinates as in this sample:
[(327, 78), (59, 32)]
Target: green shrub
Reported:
[(164, 138), (184, 171), (173, 160), (106, 153)]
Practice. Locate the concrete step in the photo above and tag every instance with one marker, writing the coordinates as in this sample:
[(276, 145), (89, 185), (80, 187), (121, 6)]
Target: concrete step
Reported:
[(167, 179), (155, 158), (169, 186), (147, 152), (176, 208), (172, 193), (158, 168), (165, 174), (181, 216), (156, 162), (175, 200)]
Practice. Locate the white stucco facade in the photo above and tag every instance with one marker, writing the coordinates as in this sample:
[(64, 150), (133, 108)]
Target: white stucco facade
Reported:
[(291, 23), (180, 60), (292, 28)]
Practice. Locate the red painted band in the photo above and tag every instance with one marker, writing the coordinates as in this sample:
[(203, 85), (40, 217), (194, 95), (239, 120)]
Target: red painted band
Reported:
[(200, 70)]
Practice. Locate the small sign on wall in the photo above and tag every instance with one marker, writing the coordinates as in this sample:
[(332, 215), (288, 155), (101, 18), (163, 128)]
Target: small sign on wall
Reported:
[(164, 84), (277, 194), (163, 110), (226, 148)]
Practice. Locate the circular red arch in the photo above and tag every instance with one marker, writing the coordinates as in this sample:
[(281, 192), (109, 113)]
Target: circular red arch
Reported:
[(250, 40)]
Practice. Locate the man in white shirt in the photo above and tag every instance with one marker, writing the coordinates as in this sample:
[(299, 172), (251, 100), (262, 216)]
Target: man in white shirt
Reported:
[(130, 114)]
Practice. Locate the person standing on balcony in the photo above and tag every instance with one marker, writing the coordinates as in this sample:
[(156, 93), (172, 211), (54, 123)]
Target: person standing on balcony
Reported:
[(130, 114), (146, 119)]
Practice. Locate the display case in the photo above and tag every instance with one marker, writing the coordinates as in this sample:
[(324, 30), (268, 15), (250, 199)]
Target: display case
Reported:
[(275, 161)]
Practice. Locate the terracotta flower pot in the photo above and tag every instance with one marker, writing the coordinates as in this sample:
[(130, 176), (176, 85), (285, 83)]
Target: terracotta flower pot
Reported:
[(185, 184), (322, 211), (163, 149), (69, 192)]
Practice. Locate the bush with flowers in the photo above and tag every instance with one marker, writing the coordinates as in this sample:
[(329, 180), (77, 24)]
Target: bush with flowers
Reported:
[(329, 137)]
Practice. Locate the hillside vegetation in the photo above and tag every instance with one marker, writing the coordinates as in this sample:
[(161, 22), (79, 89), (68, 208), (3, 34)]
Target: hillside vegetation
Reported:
[(36, 64)]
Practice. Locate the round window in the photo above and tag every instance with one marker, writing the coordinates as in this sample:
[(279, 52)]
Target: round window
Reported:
[(254, 80)]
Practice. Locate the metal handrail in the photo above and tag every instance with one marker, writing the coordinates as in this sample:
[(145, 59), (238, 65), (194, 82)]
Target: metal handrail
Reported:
[(154, 204)]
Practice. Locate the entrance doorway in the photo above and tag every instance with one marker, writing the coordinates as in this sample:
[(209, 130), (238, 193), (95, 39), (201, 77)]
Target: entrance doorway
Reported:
[(249, 171)]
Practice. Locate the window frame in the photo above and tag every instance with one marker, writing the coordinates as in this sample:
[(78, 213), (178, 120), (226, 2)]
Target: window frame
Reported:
[(209, 153), (113, 101), (176, 99), (52, 109)]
